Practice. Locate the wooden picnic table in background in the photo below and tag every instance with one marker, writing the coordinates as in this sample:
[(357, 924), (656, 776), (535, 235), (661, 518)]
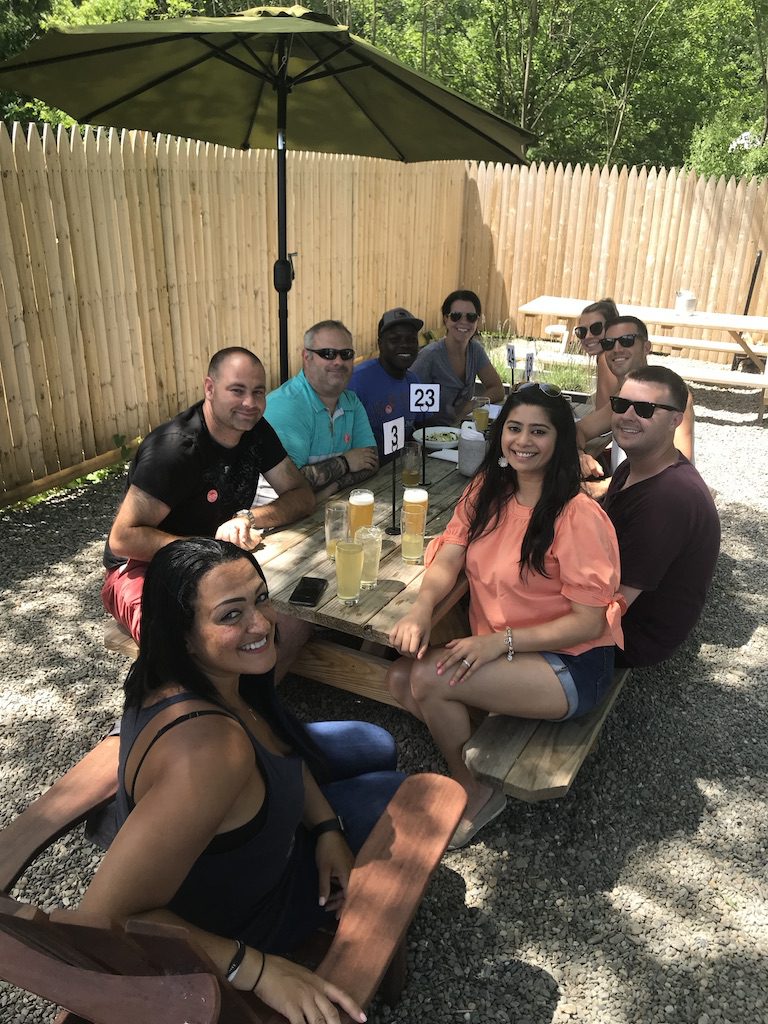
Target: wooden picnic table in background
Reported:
[(734, 324), (299, 550)]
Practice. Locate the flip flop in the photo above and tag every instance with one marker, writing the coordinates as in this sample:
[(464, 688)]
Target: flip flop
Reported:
[(467, 830)]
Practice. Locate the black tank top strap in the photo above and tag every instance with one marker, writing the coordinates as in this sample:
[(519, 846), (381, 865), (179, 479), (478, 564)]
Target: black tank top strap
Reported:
[(162, 731)]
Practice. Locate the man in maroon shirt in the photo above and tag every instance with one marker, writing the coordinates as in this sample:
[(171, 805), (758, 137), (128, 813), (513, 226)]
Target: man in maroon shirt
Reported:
[(665, 519)]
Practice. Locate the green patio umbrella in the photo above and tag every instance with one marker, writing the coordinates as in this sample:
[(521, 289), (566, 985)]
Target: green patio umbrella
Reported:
[(230, 81)]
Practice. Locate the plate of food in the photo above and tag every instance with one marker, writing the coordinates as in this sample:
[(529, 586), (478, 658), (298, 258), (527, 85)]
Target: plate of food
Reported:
[(435, 438)]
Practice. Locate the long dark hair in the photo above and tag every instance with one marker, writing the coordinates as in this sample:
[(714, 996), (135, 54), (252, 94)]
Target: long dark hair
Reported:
[(562, 479), (168, 609)]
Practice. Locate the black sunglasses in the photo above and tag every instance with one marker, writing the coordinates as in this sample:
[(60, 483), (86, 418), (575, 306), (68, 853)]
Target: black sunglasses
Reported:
[(552, 390), (595, 328), (330, 353), (471, 317), (644, 410), (626, 341)]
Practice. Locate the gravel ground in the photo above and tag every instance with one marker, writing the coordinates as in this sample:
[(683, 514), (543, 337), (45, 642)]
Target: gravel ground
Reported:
[(641, 897)]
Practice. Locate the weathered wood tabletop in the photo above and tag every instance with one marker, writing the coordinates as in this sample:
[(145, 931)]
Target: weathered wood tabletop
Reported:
[(299, 550)]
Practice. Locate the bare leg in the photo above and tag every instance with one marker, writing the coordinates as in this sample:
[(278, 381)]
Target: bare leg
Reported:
[(527, 687), (399, 685)]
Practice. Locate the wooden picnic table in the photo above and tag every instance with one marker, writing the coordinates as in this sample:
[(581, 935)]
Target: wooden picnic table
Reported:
[(734, 324), (299, 550)]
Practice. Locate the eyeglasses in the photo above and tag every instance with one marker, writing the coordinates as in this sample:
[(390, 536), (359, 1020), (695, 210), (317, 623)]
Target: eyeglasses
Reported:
[(595, 328), (552, 390), (470, 317), (626, 341), (644, 410), (331, 353)]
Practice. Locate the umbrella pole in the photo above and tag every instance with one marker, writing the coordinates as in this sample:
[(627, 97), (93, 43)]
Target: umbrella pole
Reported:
[(283, 270)]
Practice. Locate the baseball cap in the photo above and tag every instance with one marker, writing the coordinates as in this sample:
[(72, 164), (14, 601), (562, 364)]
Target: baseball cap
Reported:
[(399, 316)]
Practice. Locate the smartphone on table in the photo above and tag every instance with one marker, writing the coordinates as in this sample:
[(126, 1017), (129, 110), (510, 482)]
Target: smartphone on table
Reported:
[(308, 591)]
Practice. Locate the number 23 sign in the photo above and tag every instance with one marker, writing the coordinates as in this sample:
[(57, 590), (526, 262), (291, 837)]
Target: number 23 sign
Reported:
[(425, 398)]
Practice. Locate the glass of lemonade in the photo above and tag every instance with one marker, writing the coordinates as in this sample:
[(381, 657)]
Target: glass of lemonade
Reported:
[(416, 497), (480, 414), (370, 537), (413, 523), (336, 525), (411, 463), (349, 570), (360, 510)]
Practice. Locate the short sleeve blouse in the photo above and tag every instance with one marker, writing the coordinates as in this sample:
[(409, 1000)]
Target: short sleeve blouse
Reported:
[(582, 566)]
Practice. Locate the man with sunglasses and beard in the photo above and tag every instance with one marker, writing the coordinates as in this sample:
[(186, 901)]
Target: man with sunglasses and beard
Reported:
[(626, 348), (322, 425), (664, 516)]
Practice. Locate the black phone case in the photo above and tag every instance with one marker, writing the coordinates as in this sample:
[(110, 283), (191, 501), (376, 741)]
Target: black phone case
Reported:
[(308, 591)]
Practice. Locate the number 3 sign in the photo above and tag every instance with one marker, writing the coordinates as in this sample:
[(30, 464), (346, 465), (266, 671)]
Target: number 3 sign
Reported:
[(394, 435)]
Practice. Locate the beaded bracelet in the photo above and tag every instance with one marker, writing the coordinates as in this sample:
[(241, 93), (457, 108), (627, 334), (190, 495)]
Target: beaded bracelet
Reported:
[(236, 961), (510, 644)]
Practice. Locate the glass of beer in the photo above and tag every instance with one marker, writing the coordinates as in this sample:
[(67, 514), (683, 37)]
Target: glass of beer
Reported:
[(480, 414), (370, 537), (411, 463), (336, 525), (360, 510), (416, 497), (413, 523), (349, 570)]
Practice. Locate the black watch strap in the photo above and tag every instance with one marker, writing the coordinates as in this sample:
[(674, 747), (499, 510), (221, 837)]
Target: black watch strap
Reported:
[(329, 825)]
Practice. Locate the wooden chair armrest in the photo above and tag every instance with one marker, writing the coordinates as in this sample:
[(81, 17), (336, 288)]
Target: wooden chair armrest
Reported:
[(88, 785), (388, 881)]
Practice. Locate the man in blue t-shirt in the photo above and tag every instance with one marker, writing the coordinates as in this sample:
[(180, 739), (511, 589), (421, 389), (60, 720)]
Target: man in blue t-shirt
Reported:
[(383, 384)]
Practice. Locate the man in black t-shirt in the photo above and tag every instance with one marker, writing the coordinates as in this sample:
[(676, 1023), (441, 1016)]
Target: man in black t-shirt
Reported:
[(665, 519), (196, 476)]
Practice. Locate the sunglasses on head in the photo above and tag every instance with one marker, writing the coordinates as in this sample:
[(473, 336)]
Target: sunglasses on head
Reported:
[(626, 341), (330, 353), (643, 409), (470, 317), (595, 328), (552, 390)]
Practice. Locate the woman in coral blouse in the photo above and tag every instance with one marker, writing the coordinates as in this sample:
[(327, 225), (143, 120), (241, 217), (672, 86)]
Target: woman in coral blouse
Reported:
[(542, 562)]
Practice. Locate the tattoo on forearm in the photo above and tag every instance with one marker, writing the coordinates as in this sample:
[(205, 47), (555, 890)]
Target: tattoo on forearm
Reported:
[(320, 474)]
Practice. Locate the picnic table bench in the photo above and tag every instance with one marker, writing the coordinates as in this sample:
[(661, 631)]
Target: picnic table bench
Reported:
[(152, 972), (531, 759)]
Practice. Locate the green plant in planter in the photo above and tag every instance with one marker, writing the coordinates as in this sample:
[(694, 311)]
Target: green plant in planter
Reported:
[(566, 376)]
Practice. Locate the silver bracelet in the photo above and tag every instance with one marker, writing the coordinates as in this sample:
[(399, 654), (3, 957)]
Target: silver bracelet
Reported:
[(237, 960), (510, 644)]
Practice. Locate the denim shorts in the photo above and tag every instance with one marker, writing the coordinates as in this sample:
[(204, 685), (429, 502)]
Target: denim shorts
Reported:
[(585, 678)]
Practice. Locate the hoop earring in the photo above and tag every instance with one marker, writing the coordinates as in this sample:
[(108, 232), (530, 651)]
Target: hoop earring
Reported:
[(502, 462)]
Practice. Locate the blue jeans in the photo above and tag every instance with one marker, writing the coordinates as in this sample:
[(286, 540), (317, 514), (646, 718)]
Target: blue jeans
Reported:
[(362, 761)]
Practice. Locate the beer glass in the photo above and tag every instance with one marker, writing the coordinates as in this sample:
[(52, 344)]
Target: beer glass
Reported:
[(370, 537), (349, 569), (410, 458), (360, 510), (413, 522), (336, 525), (416, 497), (480, 414)]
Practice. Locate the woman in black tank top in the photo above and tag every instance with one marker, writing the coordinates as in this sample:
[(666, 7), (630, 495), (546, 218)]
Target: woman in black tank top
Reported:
[(222, 824)]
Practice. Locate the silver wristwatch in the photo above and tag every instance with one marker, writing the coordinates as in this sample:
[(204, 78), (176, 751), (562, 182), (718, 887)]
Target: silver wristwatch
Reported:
[(246, 513)]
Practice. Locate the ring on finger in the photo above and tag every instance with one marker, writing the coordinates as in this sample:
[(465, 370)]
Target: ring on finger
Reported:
[(465, 662)]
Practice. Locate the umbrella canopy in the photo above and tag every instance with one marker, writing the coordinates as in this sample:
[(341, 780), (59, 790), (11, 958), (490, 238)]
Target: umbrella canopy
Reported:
[(230, 81)]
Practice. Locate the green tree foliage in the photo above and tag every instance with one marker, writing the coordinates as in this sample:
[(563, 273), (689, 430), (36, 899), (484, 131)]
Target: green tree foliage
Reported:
[(664, 82)]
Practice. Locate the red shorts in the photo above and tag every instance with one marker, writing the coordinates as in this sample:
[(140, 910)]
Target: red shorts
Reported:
[(121, 595)]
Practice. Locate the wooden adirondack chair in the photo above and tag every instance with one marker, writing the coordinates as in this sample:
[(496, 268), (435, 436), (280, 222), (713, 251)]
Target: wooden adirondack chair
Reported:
[(147, 973)]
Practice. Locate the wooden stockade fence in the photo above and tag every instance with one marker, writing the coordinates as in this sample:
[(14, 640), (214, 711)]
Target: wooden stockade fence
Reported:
[(125, 261)]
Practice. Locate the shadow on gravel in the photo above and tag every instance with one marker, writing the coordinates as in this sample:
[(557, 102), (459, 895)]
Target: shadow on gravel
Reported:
[(722, 406)]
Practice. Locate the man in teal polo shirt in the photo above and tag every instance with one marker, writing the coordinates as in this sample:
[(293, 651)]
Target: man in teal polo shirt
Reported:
[(323, 426)]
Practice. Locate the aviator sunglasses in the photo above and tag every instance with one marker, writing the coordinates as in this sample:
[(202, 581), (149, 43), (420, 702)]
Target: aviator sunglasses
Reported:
[(626, 341), (595, 328), (644, 410), (471, 317), (330, 353)]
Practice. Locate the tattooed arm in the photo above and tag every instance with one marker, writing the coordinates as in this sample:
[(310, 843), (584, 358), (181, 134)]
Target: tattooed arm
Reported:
[(340, 471)]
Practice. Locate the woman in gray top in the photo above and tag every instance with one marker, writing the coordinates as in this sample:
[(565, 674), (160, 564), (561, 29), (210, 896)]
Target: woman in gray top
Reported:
[(455, 360)]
